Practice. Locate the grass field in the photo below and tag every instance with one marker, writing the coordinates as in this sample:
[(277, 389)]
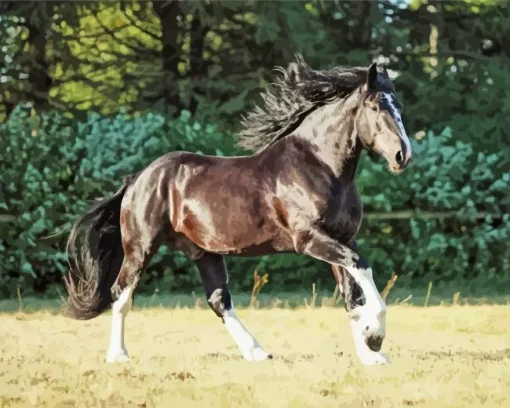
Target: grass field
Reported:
[(442, 356)]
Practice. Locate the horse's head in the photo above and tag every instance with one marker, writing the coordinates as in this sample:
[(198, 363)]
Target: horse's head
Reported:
[(378, 123)]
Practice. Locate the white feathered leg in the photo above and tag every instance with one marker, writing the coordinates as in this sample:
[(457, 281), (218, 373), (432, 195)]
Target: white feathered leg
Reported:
[(117, 349)]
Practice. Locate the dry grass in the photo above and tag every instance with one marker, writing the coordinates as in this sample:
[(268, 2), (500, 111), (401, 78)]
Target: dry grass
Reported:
[(457, 356)]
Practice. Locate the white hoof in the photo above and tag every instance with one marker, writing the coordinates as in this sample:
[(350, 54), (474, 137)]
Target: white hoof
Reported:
[(256, 354), (117, 357), (373, 358)]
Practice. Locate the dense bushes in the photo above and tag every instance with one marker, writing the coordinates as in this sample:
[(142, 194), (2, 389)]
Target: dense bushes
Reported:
[(461, 227), (51, 167)]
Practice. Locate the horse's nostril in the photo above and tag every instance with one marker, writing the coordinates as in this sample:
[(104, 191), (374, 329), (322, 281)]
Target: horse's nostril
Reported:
[(367, 328), (399, 157)]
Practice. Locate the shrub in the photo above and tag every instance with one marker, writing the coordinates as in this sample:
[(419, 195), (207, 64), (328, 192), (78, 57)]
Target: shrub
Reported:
[(448, 211)]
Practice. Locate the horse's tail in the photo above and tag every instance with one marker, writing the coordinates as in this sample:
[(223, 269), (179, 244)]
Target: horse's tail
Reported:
[(95, 266)]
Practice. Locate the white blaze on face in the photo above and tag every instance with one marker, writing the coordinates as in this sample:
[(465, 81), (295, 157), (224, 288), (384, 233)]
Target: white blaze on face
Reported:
[(398, 119)]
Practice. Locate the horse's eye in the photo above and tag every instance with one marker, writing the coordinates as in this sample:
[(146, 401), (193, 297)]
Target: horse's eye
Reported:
[(373, 107)]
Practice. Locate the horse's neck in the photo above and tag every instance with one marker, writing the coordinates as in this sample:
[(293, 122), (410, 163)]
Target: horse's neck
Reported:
[(331, 129)]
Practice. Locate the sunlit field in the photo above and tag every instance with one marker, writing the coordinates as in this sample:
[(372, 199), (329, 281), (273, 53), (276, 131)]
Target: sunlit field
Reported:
[(442, 356)]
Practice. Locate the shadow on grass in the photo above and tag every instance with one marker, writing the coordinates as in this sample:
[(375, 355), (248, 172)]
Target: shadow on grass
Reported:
[(497, 355), (285, 300)]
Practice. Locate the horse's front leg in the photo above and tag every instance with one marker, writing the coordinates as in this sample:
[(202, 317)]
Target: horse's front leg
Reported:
[(366, 308)]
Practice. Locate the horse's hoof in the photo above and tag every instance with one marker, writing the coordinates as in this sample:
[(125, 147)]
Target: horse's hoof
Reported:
[(257, 354), (374, 359), (118, 357)]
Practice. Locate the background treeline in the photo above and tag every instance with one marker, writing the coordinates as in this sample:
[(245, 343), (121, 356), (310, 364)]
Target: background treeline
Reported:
[(91, 91)]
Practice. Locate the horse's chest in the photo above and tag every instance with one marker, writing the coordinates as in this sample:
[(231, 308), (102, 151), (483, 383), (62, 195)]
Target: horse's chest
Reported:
[(343, 215)]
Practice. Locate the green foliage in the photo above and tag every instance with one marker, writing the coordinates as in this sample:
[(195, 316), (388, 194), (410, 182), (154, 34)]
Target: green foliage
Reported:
[(450, 178), (35, 170), (446, 174), (53, 167)]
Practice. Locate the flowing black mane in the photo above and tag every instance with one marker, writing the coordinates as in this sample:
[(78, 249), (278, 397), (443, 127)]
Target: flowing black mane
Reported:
[(292, 97)]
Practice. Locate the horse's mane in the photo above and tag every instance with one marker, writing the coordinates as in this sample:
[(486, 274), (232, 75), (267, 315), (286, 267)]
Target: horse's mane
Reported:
[(292, 97)]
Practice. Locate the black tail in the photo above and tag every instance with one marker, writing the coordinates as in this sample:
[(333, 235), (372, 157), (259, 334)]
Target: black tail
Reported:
[(95, 267)]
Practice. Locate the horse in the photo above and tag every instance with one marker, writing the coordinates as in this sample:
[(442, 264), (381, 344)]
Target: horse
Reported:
[(296, 194)]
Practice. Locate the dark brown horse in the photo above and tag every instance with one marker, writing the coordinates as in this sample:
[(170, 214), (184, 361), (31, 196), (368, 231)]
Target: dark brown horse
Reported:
[(297, 193)]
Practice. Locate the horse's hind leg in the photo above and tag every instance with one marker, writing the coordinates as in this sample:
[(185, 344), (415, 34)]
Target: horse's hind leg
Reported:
[(214, 275), (139, 247), (123, 292)]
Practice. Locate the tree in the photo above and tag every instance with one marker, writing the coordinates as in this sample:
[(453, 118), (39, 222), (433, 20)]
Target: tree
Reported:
[(26, 26), (171, 18)]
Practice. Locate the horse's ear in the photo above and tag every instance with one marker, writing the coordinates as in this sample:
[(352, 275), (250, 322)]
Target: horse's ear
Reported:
[(371, 76)]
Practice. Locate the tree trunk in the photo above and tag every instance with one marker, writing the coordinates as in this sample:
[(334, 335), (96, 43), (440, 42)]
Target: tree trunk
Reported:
[(169, 13), (361, 37), (354, 30), (198, 67), (39, 77)]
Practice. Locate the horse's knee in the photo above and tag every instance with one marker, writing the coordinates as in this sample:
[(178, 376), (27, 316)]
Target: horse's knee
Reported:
[(219, 301), (126, 278), (117, 288), (115, 291)]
